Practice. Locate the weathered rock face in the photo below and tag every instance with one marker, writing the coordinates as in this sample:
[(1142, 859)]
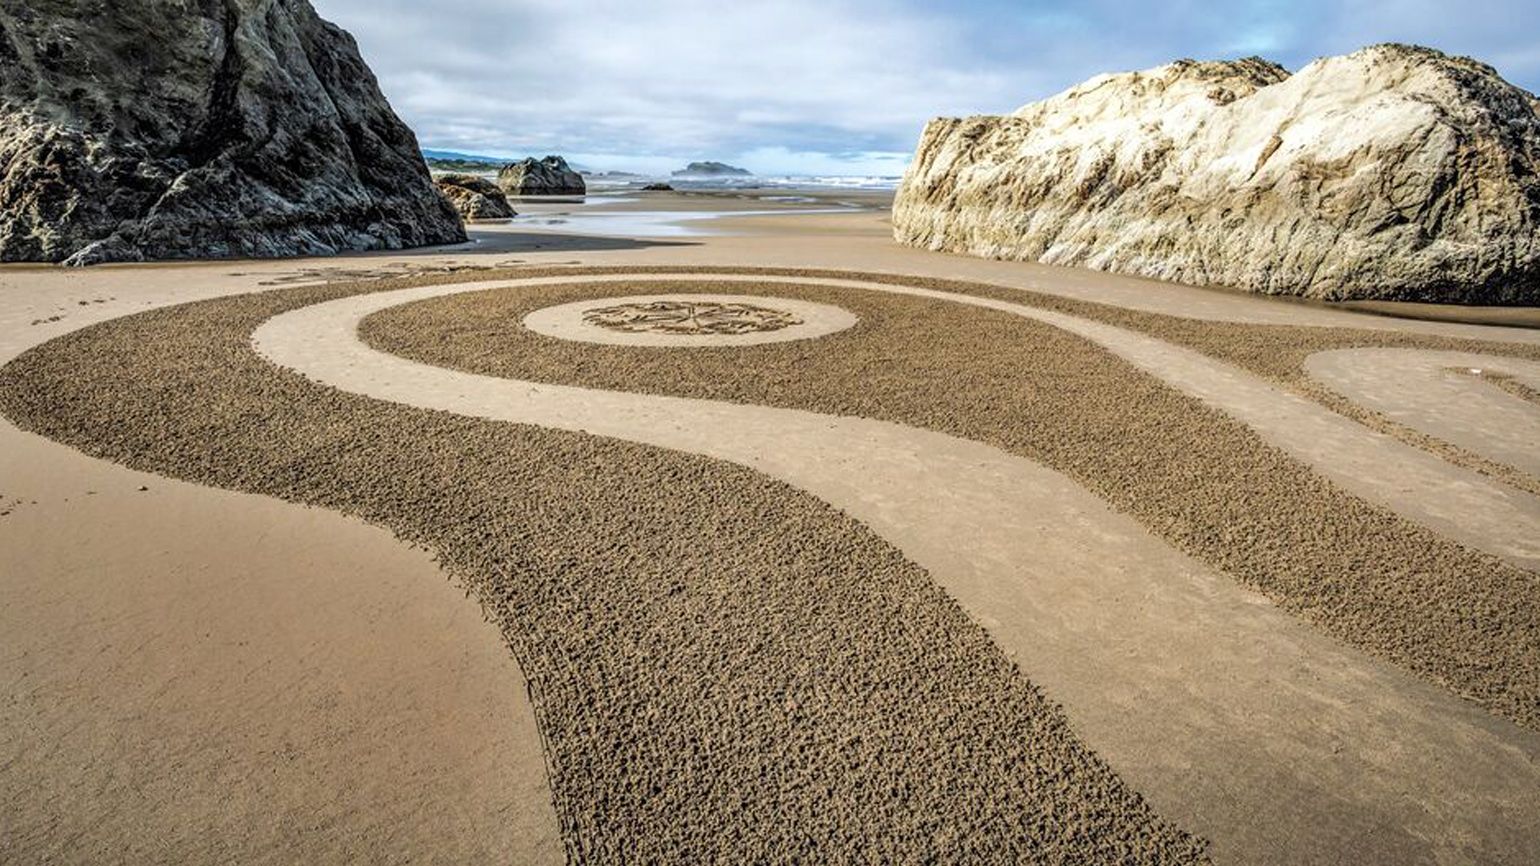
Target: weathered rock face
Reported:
[(147, 129), (549, 176), (476, 198), (1392, 173)]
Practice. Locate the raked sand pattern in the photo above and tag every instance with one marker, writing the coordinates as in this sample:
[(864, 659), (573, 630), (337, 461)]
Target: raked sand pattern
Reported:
[(724, 669), (749, 609)]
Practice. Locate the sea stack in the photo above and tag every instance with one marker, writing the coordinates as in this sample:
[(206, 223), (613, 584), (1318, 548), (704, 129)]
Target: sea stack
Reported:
[(711, 169), (194, 130), (1393, 173), (475, 198), (548, 176)]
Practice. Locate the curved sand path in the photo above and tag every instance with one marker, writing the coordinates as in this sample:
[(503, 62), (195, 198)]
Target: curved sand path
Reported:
[(1458, 503), (808, 688), (1215, 704), (1462, 505), (71, 553), (189, 674), (1435, 393)]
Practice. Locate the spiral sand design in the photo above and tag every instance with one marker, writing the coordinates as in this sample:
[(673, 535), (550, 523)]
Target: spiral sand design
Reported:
[(1104, 813)]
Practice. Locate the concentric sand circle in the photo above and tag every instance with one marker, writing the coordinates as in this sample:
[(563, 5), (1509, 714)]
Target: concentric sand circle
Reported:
[(689, 320)]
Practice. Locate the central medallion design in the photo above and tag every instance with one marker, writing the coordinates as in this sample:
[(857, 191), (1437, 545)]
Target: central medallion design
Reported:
[(690, 317)]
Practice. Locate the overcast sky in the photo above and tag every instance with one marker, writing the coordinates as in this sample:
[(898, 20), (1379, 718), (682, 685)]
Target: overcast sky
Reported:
[(830, 86)]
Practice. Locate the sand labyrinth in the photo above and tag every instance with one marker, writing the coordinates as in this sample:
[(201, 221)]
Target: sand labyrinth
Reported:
[(802, 538)]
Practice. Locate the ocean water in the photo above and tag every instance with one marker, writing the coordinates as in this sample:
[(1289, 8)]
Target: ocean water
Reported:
[(753, 182), (770, 182), (640, 223)]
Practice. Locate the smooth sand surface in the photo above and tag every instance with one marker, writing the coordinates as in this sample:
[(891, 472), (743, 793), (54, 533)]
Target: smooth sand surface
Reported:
[(194, 676), (485, 785), (1440, 394), (1521, 317)]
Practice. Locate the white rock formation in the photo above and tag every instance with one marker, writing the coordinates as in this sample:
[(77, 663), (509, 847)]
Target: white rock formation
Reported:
[(1395, 172)]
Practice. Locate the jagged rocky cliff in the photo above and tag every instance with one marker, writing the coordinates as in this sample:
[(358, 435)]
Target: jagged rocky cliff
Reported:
[(148, 129), (1394, 172)]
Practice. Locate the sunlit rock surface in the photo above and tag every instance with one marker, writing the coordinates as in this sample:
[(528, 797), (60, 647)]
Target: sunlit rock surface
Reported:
[(475, 198), (1394, 172)]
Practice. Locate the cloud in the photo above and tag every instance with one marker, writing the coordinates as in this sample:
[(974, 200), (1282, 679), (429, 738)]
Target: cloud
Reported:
[(780, 160), (677, 78), (810, 82)]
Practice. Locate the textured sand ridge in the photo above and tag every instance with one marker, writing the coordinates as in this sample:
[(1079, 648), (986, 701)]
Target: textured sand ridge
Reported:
[(706, 688), (1368, 576), (1508, 383)]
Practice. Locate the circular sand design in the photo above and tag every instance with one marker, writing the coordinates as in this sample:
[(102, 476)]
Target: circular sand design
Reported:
[(724, 668), (1276, 524), (689, 319), (635, 620)]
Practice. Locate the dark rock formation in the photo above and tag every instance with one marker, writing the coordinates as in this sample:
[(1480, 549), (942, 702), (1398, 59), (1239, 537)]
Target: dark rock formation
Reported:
[(476, 198), (145, 129), (657, 187), (549, 176), (1394, 173), (712, 169)]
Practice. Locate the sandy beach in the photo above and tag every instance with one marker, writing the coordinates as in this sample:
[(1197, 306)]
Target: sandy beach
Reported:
[(333, 559)]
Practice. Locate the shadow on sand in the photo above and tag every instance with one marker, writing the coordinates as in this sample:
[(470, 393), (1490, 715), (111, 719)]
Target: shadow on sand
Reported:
[(503, 241), (379, 264)]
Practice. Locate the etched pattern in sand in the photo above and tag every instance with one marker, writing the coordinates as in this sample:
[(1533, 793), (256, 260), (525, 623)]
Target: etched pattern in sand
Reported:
[(690, 317), (722, 643)]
